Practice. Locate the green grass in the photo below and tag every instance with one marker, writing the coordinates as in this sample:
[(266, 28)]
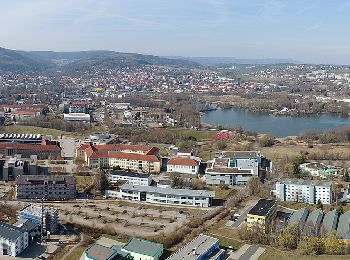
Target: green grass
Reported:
[(274, 253), (222, 193), (198, 134), (33, 130), (227, 241), (76, 254), (84, 181)]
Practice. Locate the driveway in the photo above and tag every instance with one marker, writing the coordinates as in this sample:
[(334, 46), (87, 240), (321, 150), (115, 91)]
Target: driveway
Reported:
[(243, 215), (247, 252)]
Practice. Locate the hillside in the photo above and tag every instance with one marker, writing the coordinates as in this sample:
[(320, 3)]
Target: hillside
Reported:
[(11, 60)]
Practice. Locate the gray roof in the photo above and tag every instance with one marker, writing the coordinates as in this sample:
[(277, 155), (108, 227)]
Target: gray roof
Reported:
[(201, 243), (296, 181), (315, 217), (144, 247), (299, 216), (130, 174), (343, 230), (10, 232), (330, 220), (26, 224), (168, 191)]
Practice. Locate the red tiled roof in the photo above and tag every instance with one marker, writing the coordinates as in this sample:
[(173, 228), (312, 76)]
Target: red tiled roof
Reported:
[(133, 156), (183, 161), (34, 147)]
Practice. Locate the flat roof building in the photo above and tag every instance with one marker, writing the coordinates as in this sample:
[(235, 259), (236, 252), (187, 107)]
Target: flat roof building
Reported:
[(201, 247), (143, 249), (181, 197), (261, 214)]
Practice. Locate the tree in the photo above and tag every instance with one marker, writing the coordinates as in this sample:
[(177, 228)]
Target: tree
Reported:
[(176, 181), (346, 176), (289, 238), (319, 205), (104, 182), (45, 110), (311, 246)]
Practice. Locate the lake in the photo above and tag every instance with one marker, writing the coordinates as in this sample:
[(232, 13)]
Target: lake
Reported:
[(280, 125)]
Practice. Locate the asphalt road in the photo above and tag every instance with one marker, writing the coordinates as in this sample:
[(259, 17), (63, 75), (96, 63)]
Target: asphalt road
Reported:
[(249, 252)]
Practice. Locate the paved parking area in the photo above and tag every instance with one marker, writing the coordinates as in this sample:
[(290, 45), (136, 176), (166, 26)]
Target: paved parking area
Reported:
[(247, 252)]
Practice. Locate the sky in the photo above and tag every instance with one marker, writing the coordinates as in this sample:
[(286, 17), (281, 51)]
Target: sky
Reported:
[(316, 31)]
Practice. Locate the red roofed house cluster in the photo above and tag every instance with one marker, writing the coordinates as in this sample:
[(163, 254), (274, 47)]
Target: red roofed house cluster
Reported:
[(129, 157)]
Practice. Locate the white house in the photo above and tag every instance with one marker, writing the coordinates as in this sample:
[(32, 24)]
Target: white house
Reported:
[(130, 177), (183, 165), (13, 240)]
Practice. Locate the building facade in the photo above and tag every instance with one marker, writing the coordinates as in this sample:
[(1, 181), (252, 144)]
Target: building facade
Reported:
[(304, 191), (181, 197), (183, 165), (262, 214), (13, 240), (133, 178), (135, 158), (49, 187), (43, 151), (228, 176)]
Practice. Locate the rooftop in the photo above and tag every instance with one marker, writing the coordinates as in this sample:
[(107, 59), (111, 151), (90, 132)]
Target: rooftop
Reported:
[(168, 191), (299, 216), (262, 207), (330, 220), (130, 174), (10, 232), (183, 161), (200, 244), (295, 181), (229, 170), (100, 252), (28, 179), (144, 247)]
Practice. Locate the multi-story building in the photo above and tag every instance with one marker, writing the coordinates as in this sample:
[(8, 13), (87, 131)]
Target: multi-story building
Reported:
[(13, 240), (12, 167), (228, 176), (304, 191), (245, 160), (49, 187), (77, 117), (45, 216), (43, 151), (183, 165), (236, 167), (200, 248), (133, 178), (262, 214), (128, 157), (181, 197)]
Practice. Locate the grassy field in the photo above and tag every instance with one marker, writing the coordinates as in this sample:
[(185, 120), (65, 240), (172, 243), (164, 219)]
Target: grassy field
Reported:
[(274, 253), (49, 131), (222, 193), (84, 181), (76, 253), (198, 134)]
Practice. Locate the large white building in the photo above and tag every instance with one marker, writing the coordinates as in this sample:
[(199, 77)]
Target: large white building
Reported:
[(182, 197), (183, 165), (133, 178), (304, 191), (13, 240), (76, 117)]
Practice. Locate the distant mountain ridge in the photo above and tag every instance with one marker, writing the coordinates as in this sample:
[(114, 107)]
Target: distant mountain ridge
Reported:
[(12, 60), (210, 61)]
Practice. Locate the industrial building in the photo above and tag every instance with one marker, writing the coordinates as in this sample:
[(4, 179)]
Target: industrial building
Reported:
[(343, 230), (304, 191), (313, 223), (330, 223), (200, 248), (77, 117), (299, 218)]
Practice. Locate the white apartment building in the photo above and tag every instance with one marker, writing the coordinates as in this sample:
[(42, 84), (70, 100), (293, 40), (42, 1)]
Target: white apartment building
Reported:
[(304, 191), (13, 240), (133, 178), (183, 197), (183, 165)]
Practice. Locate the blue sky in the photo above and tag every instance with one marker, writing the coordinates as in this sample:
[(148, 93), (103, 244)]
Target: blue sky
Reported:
[(309, 30)]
